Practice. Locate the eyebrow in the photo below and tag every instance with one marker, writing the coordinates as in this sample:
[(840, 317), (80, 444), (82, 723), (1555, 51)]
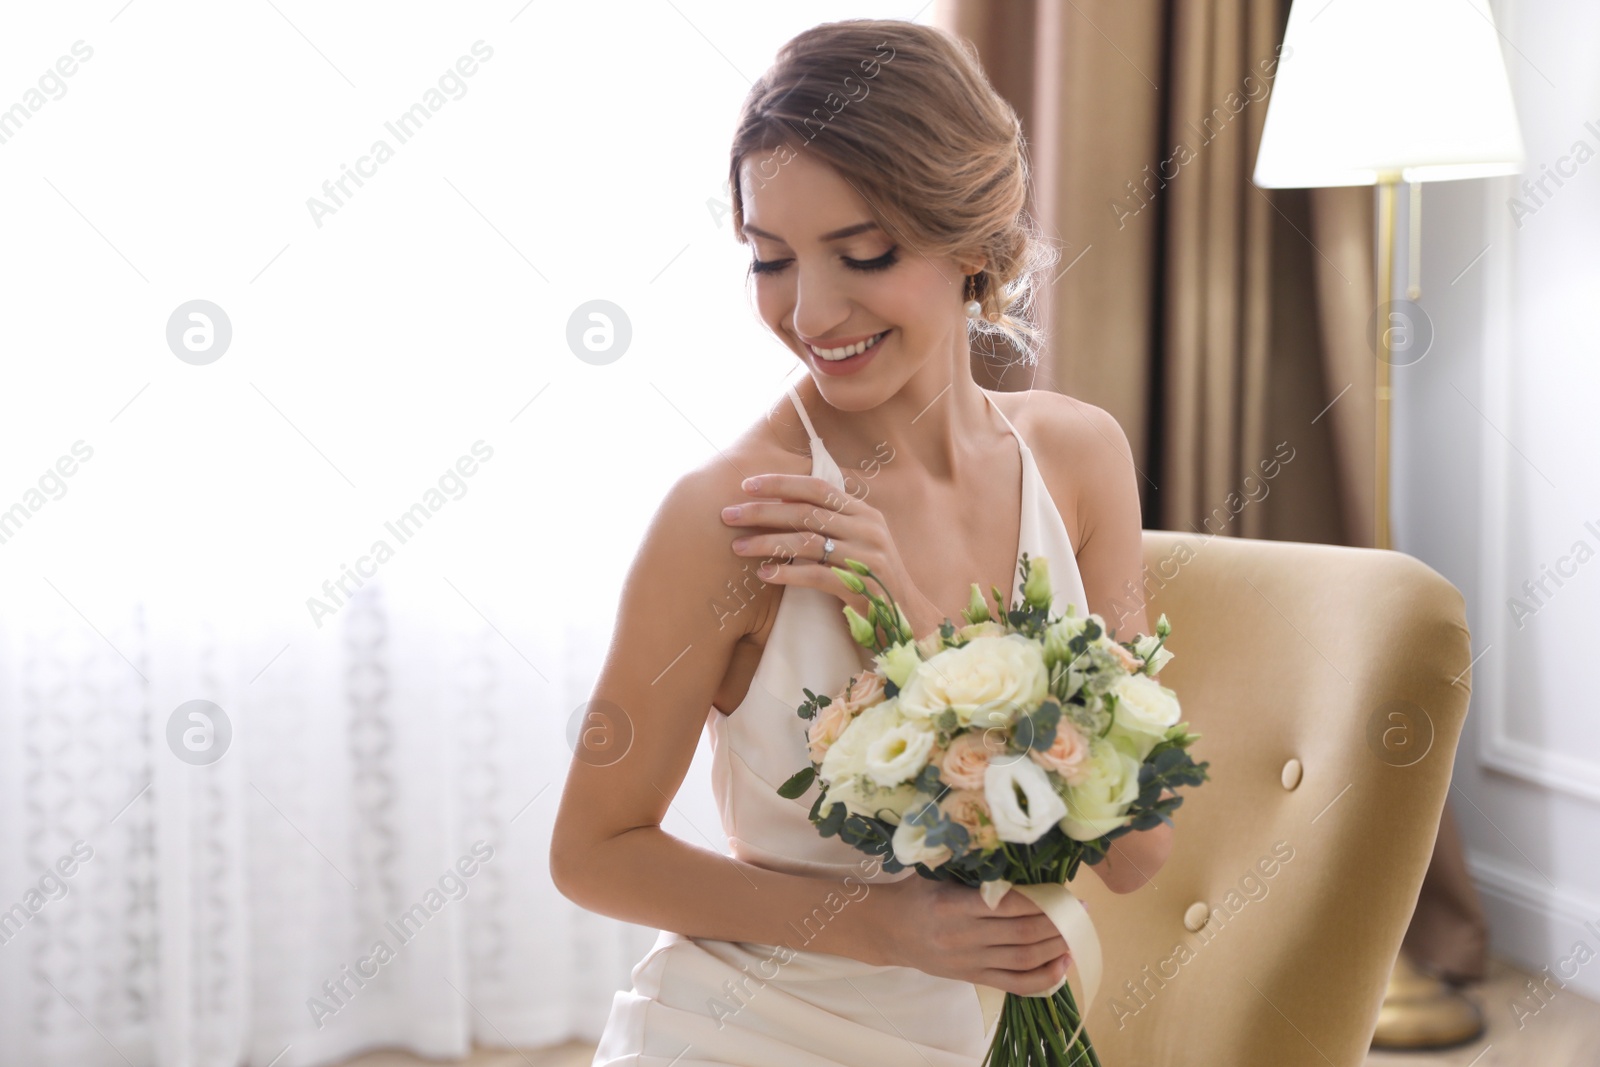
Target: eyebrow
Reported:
[(836, 235)]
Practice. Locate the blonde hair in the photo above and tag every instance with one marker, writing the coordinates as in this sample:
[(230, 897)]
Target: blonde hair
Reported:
[(906, 114)]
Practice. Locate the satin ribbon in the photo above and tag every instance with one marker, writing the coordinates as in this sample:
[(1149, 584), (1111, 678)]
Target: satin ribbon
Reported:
[(1057, 901)]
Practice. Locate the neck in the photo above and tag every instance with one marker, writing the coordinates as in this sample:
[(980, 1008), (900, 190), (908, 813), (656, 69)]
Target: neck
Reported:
[(935, 423)]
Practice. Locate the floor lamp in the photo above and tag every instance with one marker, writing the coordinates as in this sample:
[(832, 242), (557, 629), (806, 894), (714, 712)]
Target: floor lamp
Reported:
[(1376, 92)]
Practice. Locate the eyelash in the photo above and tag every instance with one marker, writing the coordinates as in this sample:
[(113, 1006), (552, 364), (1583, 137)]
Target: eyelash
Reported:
[(883, 262)]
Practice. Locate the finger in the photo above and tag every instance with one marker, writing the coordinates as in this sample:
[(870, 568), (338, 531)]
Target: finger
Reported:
[(811, 574), (795, 515), (789, 547), (808, 573), (1026, 930), (804, 487), (1026, 957), (799, 573), (1011, 906), (1023, 982)]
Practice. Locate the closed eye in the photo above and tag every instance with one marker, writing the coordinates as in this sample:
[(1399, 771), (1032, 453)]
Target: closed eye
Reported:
[(883, 262)]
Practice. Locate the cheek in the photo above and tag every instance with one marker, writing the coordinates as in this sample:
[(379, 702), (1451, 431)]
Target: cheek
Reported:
[(911, 300), (773, 302)]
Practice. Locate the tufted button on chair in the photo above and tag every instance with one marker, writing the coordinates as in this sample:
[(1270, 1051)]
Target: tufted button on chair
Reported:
[(1330, 684)]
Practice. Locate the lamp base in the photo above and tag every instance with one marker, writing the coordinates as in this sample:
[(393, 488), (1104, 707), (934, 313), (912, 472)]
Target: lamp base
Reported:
[(1422, 1012)]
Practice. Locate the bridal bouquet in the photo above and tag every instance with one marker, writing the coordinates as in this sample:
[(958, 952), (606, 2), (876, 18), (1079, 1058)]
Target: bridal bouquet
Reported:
[(1001, 753)]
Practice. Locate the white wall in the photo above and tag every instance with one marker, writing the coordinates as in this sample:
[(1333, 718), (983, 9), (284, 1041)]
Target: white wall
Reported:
[(1495, 445)]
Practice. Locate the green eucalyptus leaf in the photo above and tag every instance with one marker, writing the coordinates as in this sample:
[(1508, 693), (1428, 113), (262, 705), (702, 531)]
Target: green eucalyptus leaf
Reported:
[(833, 820), (798, 783)]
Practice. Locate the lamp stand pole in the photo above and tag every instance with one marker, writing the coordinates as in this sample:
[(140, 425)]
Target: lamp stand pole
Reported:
[(1419, 1010)]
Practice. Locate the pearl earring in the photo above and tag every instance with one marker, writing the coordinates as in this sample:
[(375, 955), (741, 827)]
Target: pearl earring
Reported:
[(973, 308)]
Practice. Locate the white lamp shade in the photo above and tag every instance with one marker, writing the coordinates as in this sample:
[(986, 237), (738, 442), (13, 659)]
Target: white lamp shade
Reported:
[(1371, 89)]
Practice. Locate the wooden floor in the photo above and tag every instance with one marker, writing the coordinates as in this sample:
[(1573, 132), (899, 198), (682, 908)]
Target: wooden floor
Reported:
[(1565, 1032)]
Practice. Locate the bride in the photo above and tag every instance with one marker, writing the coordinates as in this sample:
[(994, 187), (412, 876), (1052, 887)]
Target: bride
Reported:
[(881, 185)]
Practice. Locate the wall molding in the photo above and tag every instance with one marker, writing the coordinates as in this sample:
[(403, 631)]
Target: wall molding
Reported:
[(1535, 926), (1538, 766), (1512, 882), (1498, 750)]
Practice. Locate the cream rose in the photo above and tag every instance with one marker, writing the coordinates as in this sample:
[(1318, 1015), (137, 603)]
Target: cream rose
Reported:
[(967, 758), (1067, 755), (967, 808), (1145, 710), (863, 691), (1128, 660), (1097, 806), (826, 727), (987, 682)]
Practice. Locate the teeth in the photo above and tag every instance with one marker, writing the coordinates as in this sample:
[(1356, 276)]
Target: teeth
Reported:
[(833, 354)]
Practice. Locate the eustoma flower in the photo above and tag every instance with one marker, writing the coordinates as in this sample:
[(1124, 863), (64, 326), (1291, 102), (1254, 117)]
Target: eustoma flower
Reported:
[(1022, 802), (1002, 754)]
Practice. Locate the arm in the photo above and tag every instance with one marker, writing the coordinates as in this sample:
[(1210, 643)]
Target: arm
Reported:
[(1134, 858), (1111, 560), (670, 649)]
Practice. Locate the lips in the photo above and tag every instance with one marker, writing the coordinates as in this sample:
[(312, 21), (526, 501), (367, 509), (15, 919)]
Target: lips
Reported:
[(844, 349), (849, 365)]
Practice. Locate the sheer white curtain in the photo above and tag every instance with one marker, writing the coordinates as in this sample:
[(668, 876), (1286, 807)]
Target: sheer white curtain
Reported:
[(379, 534)]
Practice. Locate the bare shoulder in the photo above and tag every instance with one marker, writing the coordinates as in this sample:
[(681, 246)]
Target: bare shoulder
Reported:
[(1080, 448), (687, 528), (1061, 422), (687, 601)]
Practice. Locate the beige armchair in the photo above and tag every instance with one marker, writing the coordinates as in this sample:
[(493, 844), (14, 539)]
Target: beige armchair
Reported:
[(1330, 685)]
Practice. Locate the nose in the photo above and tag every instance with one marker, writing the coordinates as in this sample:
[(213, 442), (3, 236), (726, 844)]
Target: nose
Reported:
[(820, 304)]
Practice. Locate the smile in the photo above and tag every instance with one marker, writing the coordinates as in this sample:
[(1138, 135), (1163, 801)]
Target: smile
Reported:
[(835, 354)]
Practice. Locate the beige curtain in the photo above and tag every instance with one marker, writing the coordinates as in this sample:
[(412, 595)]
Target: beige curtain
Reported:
[(1225, 326)]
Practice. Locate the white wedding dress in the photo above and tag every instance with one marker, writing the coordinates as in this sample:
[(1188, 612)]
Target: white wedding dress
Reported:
[(697, 1002)]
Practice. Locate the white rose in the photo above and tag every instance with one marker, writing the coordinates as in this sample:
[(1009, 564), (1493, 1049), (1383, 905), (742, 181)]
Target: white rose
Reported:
[(1021, 820), (911, 846), (987, 681), (1099, 803), (1144, 712)]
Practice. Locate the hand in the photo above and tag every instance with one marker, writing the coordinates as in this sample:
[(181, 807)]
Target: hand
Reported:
[(804, 511), (945, 929)]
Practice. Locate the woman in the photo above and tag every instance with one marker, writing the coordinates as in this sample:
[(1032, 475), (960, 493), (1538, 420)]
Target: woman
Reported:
[(881, 184)]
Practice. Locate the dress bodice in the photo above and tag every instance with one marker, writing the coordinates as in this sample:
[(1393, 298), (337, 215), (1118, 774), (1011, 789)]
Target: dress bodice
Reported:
[(762, 742)]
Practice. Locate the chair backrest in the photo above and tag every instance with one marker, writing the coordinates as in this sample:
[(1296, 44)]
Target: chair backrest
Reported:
[(1330, 684)]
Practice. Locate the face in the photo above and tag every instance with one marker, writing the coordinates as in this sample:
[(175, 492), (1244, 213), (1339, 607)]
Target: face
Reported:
[(826, 275)]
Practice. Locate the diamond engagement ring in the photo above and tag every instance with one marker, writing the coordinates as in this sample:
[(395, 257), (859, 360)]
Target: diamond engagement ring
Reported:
[(827, 548)]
